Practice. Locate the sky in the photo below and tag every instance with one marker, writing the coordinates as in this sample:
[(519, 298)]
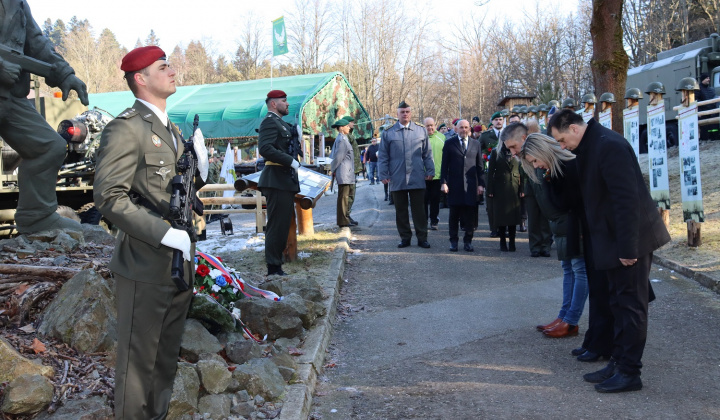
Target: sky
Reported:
[(213, 22)]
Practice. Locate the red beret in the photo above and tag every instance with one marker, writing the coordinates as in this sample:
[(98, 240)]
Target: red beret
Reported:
[(275, 94), (455, 121), (139, 58), (477, 128)]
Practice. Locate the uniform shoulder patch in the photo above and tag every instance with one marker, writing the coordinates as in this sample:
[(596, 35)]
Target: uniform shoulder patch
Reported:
[(128, 113)]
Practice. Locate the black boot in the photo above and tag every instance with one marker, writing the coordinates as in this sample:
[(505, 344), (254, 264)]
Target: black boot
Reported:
[(275, 269), (512, 239), (503, 243)]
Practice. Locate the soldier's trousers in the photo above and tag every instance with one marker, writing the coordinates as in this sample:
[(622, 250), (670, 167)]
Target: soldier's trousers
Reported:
[(351, 199), (42, 150), (280, 211), (539, 234), (416, 199), (343, 207), (151, 320)]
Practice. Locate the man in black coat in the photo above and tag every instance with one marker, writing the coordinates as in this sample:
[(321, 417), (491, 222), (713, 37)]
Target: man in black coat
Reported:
[(625, 228), (461, 179)]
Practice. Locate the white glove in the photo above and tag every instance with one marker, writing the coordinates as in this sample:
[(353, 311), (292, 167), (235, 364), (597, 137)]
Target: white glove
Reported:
[(295, 164), (201, 153), (177, 239)]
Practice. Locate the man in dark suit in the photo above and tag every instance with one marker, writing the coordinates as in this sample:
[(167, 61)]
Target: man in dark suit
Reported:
[(137, 157), (278, 180), (625, 228), (461, 179)]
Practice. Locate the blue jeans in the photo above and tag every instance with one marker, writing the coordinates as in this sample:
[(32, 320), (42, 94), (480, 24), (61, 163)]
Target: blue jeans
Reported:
[(575, 290), (372, 172)]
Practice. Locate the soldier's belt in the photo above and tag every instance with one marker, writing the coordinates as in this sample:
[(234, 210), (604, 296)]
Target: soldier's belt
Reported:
[(267, 162)]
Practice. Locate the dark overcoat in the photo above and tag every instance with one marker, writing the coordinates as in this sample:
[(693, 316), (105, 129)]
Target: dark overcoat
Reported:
[(505, 184), (462, 171), (623, 220)]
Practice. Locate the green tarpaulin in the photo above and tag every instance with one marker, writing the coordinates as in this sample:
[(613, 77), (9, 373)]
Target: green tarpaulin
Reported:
[(235, 109)]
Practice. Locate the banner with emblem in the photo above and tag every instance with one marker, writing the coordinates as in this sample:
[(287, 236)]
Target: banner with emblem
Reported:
[(657, 156), (280, 46), (690, 185), (228, 171), (631, 123)]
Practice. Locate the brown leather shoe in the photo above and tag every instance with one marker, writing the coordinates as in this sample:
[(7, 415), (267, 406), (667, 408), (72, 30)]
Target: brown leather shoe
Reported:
[(548, 326), (563, 329)]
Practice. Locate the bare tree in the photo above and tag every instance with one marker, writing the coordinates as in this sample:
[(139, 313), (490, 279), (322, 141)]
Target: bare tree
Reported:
[(310, 35)]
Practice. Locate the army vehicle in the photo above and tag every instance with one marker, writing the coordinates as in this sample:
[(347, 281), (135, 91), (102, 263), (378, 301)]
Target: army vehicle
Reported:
[(81, 129), (671, 66)]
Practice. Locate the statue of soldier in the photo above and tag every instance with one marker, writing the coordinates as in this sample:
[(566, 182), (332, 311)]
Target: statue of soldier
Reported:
[(40, 146)]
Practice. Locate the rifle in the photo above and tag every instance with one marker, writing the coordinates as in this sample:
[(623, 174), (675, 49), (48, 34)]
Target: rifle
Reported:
[(29, 64), (294, 148), (183, 202)]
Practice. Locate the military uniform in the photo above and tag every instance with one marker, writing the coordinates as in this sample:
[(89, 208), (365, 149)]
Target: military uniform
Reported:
[(279, 183), (358, 168), (26, 131), (138, 153), (488, 141)]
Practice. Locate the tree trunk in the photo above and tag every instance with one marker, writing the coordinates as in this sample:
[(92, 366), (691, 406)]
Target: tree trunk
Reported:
[(609, 61)]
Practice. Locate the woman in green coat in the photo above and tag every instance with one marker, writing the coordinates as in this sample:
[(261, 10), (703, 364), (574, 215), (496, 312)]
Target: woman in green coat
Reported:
[(505, 186)]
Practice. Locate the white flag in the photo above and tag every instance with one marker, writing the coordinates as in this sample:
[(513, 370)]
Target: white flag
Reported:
[(228, 171)]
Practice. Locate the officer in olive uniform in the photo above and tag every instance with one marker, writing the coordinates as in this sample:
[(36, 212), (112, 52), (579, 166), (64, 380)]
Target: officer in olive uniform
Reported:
[(358, 165), (137, 157), (26, 131), (279, 179), (488, 141)]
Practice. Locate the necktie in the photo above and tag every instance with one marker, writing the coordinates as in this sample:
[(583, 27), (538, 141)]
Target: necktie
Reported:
[(464, 145), (172, 135)]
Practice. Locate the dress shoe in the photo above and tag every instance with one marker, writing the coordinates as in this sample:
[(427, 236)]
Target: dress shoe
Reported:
[(603, 374), (578, 351), (275, 270), (544, 254), (550, 325), (468, 248), (493, 234), (523, 227), (589, 356), (563, 329), (353, 222), (534, 254), (511, 248), (433, 226), (391, 203), (404, 243), (424, 244), (503, 247), (620, 382), (453, 247)]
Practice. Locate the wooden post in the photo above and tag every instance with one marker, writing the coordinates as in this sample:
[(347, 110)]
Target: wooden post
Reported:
[(305, 220), (665, 215), (259, 213), (291, 251), (693, 233)]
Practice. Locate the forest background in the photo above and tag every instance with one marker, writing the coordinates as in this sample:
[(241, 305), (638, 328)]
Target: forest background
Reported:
[(390, 55)]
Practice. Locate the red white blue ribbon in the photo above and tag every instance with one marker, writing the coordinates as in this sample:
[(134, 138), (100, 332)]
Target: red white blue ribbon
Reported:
[(237, 281)]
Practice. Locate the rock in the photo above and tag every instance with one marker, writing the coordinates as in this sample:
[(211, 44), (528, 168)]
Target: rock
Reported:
[(83, 314), (242, 396), (27, 394), (305, 309), (23, 253), (244, 409), (226, 338), (215, 407), (61, 261), (241, 351), (287, 365), (97, 235), (308, 288), (276, 319), (214, 375), (66, 242), (259, 400), (197, 340), (186, 388), (284, 343), (211, 313), (93, 408), (14, 365), (260, 377)]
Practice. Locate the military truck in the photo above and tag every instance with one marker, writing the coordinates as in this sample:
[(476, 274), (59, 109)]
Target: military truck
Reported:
[(81, 129), (685, 61)]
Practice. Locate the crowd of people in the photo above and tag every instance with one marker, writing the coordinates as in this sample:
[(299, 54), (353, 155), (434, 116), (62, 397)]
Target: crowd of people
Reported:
[(568, 182)]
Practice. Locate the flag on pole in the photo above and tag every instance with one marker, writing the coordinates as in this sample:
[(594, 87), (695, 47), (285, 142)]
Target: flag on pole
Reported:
[(279, 37), (228, 171)]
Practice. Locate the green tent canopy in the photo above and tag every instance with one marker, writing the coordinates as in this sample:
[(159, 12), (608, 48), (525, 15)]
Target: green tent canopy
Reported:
[(235, 109)]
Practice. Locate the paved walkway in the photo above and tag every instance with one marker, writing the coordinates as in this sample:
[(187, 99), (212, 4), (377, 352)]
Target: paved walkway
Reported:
[(437, 335)]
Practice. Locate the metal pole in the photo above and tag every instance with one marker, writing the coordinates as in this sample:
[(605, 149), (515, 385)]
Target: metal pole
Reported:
[(459, 94)]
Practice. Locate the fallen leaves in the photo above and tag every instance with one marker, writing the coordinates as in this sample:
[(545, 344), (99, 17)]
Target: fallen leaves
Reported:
[(295, 351), (38, 346), (21, 289)]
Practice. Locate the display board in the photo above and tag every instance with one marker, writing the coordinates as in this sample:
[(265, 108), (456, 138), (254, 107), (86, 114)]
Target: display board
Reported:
[(631, 123), (690, 184), (657, 155)]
